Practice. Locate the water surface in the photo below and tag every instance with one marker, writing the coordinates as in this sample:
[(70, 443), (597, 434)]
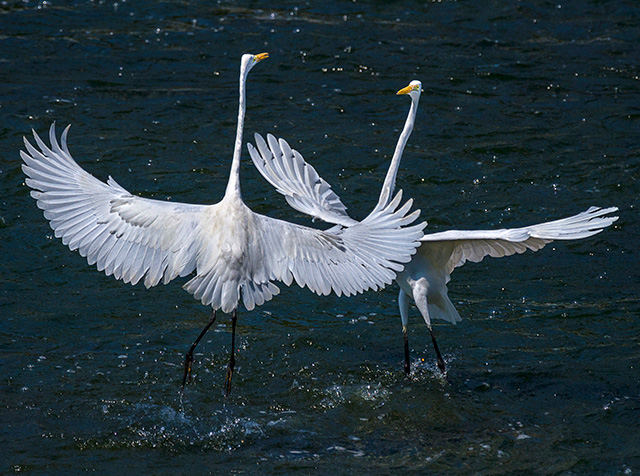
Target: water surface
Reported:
[(531, 112)]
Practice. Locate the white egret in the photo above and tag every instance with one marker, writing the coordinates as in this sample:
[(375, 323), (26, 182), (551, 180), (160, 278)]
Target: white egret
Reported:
[(424, 279), (235, 253)]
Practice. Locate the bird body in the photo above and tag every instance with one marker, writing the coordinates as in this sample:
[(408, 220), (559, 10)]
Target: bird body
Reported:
[(229, 259), (426, 284)]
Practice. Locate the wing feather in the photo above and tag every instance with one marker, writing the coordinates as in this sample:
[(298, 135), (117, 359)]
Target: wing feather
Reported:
[(450, 249), (346, 260), (124, 235), (298, 181)]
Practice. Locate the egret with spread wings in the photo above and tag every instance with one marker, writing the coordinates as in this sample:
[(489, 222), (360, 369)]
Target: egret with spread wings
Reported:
[(236, 254), (424, 279)]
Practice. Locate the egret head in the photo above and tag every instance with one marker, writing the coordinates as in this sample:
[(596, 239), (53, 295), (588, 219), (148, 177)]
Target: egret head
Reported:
[(249, 60), (413, 89)]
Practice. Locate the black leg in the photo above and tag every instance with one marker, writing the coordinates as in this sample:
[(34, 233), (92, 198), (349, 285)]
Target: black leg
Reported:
[(407, 364), (441, 365), (189, 357), (232, 358)]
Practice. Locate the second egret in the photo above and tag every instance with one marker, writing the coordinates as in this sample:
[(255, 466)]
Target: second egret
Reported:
[(424, 279)]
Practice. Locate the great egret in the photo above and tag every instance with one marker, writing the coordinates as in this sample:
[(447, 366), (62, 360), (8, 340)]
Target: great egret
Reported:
[(234, 252), (424, 279)]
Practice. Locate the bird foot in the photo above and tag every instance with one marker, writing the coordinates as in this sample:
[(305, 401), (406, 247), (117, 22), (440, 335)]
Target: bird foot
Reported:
[(407, 369)]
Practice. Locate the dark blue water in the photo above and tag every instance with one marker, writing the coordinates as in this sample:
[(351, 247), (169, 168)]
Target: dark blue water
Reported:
[(531, 112)]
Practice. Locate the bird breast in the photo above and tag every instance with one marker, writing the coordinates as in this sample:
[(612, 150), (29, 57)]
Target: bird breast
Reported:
[(228, 232)]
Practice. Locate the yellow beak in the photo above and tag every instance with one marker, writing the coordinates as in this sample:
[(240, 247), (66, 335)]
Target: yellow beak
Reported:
[(405, 90), (260, 57)]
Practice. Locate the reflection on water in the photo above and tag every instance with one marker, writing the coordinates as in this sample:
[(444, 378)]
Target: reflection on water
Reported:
[(530, 113)]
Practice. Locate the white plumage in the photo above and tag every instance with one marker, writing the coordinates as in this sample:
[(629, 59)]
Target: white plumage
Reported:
[(424, 279), (234, 251), (236, 254)]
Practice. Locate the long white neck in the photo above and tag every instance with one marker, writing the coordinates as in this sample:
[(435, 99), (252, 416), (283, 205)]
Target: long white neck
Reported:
[(390, 180), (233, 186)]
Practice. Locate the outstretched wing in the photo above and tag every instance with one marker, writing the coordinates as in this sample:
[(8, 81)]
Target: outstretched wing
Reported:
[(124, 235), (304, 190), (450, 249)]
